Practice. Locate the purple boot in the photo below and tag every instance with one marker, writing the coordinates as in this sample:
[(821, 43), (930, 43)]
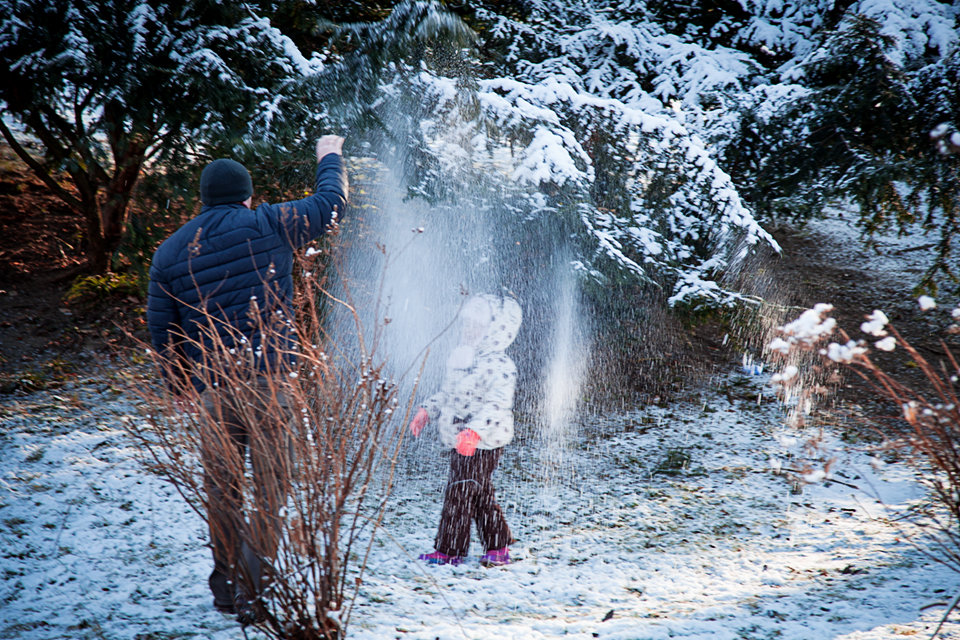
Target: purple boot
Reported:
[(495, 558), (440, 558)]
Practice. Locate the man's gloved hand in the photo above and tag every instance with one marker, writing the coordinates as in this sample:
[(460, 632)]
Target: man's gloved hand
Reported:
[(467, 442), (329, 144), (420, 420)]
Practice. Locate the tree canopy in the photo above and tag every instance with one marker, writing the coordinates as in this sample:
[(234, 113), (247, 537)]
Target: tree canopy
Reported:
[(110, 88), (656, 137)]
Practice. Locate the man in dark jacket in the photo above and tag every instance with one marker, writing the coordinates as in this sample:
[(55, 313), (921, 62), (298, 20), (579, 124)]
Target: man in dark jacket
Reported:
[(214, 283)]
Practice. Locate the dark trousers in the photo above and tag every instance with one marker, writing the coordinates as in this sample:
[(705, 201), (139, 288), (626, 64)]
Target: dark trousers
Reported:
[(235, 427), (470, 497)]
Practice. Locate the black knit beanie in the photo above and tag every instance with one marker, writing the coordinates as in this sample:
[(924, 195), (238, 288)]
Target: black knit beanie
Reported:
[(224, 181)]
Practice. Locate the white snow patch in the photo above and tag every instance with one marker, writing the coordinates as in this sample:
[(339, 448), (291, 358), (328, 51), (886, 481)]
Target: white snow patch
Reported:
[(887, 344), (717, 548), (875, 324)]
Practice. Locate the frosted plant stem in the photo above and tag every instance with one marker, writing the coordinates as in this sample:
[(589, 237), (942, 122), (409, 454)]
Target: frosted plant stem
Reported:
[(63, 525), (943, 620)]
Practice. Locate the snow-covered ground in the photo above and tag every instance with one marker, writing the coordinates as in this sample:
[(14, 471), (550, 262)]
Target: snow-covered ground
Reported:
[(667, 523), (663, 522)]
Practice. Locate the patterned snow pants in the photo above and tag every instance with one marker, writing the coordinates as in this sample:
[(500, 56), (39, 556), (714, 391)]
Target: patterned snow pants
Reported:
[(470, 497)]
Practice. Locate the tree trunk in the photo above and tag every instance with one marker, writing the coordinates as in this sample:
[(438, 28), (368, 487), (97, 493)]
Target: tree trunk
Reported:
[(98, 256), (107, 219)]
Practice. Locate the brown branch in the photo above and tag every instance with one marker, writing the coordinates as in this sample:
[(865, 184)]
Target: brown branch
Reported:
[(38, 169), (828, 479), (94, 170)]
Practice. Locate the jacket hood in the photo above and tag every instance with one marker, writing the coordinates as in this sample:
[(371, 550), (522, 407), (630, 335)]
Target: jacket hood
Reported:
[(501, 316)]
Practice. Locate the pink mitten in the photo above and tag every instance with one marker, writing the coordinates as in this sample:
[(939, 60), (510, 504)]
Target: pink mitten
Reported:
[(419, 421), (467, 442)]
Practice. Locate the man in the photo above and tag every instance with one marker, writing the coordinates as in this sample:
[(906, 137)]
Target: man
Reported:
[(214, 285)]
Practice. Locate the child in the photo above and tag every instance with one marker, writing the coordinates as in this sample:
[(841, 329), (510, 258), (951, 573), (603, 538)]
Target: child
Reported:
[(474, 409)]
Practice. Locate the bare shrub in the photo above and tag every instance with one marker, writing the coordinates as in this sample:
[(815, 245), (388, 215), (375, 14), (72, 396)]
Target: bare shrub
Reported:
[(323, 437), (926, 428)]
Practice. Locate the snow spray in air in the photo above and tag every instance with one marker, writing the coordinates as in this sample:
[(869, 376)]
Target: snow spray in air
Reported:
[(565, 366), (423, 257)]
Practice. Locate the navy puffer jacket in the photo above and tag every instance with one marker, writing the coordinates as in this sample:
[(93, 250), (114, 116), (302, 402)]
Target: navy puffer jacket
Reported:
[(229, 256)]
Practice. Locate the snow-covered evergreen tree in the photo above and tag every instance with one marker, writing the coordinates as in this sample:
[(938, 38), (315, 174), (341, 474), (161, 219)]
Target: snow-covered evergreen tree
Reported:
[(109, 87), (580, 93), (850, 121), (655, 134)]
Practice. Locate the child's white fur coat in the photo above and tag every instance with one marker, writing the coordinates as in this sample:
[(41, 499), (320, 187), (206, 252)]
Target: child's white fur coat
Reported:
[(479, 381)]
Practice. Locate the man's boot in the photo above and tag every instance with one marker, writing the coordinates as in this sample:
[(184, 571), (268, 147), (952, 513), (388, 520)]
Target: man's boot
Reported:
[(224, 592)]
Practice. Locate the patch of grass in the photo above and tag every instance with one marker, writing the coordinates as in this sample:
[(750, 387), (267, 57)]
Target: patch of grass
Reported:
[(89, 291), (754, 632), (18, 630), (59, 368), (630, 461), (50, 374), (23, 554), (737, 473), (377, 599), (85, 624), (29, 380), (725, 529), (676, 462)]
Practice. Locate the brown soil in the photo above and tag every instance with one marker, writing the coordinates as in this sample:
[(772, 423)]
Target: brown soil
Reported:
[(41, 236), (43, 340)]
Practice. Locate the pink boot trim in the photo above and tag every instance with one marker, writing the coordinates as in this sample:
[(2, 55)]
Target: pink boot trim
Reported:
[(496, 558), (440, 558)]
